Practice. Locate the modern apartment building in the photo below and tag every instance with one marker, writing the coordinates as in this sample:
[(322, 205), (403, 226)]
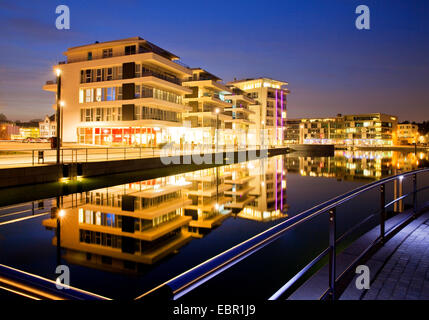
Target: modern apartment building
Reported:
[(208, 109), (132, 92), (374, 129), (126, 92), (268, 115)]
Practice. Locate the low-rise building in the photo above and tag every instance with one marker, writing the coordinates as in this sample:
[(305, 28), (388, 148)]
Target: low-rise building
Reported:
[(7, 130), (408, 133), (27, 130), (48, 127)]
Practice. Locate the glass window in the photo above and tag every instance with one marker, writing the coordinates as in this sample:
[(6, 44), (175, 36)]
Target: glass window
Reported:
[(89, 55), (130, 50), (109, 74), (89, 95), (98, 75), (107, 53), (98, 94)]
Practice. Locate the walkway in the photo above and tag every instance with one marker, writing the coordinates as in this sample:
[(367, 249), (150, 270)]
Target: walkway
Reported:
[(406, 273)]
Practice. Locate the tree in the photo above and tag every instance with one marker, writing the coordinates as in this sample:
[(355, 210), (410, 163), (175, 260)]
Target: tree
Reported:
[(3, 117)]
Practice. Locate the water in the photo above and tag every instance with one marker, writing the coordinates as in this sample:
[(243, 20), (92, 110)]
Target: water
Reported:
[(121, 241)]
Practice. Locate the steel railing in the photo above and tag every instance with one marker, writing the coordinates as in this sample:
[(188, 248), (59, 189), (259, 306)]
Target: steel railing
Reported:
[(191, 279), (34, 157)]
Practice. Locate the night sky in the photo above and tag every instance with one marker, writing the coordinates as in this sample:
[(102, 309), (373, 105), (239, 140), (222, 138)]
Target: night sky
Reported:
[(331, 66)]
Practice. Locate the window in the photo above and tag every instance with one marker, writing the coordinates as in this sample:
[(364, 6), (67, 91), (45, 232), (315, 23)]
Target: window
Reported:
[(98, 94), (88, 75), (138, 71), (88, 95), (107, 53), (110, 94), (80, 95), (99, 114), (89, 55), (109, 74), (119, 93), (137, 92), (98, 75), (130, 50)]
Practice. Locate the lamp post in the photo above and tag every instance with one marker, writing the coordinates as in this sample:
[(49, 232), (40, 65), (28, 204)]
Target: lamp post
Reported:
[(58, 113)]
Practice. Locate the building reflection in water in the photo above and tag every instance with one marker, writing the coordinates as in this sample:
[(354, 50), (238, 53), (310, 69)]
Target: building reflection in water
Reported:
[(125, 227), (356, 165)]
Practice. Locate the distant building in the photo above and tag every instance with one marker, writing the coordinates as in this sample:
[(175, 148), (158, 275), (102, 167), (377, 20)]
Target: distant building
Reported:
[(27, 130), (48, 127), (408, 133), (375, 129), (7, 130)]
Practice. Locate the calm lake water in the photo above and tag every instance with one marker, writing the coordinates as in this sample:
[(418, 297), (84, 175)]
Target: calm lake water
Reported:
[(123, 240)]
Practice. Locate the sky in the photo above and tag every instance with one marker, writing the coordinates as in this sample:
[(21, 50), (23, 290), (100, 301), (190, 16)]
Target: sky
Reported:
[(330, 65)]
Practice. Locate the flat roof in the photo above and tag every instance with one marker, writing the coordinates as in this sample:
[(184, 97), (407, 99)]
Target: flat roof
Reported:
[(260, 78), (99, 45)]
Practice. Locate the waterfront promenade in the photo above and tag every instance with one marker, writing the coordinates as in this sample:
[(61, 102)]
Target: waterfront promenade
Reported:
[(405, 274)]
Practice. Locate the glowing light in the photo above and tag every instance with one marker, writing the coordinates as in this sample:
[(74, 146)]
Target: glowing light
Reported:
[(401, 178), (61, 213), (217, 110), (58, 72), (62, 103)]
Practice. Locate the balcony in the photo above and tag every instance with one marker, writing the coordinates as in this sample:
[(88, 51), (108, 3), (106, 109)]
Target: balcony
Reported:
[(161, 76)]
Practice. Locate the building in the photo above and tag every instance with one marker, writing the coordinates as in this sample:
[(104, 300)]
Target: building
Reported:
[(132, 92), (208, 110), (375, 129), (240, 113), (269, 113), (8, 130), (48, 127), (123, 92), (408, 133), (27, 130), (292, 132)]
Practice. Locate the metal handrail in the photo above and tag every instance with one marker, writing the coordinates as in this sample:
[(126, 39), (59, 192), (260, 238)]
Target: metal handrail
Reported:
[(37, 287), (191, 279)]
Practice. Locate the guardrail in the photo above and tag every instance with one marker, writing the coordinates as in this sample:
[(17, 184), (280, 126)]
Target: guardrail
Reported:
[(191, 279), (34, 157)]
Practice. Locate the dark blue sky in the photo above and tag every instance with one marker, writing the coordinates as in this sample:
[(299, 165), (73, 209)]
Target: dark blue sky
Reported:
[(331, 66)]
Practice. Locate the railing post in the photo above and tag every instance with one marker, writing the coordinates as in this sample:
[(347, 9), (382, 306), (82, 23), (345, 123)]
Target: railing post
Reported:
[(414, 195), (332, 252), (382, 211)]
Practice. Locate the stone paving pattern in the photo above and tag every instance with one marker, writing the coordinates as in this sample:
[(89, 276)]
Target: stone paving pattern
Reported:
[(405, 276)]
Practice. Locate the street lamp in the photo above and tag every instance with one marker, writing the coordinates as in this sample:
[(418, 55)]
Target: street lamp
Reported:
[(58, 113)]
